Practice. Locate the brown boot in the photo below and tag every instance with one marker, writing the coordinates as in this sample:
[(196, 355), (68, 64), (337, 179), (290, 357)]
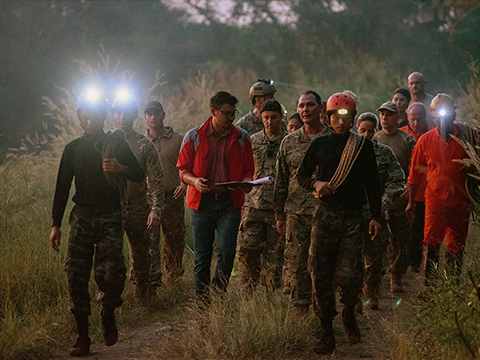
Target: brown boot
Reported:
[(352, 332), (82, 345), (109, 327), (326, 343)]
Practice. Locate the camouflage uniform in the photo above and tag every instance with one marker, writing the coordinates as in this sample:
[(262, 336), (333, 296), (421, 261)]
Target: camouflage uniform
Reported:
[(173, 218), (252, 124), (260, 246), (392, 181), (335, 257), (399, 223), (295, 205), (98, 234), (136, 209)]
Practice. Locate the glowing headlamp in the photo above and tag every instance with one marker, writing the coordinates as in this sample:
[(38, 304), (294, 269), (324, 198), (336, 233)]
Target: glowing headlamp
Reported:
[(93, 95), (442, 112), (123, 95), (343, 112)]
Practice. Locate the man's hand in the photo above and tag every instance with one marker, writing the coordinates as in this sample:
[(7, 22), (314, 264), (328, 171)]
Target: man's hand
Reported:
[(410, 210), (405, 193), (374, 228), (55, 236), (201, 185), (113, 166), (180, 191), (322, 189), (282, 227), (153, 220)]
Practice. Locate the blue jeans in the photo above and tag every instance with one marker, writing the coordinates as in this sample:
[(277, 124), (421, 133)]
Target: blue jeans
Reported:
[(221, 216)]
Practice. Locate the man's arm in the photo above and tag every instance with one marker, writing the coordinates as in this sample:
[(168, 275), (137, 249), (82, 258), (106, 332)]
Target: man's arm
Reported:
[(395, 181), (62, 191), (131, 167), (155, 181), (418, 171), (280, 186)]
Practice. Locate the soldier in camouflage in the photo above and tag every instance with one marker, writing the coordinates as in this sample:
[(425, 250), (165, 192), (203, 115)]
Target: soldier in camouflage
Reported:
[(95, 222), (260, 92), (167, 143), (293, 204), (260, 246), (402, 145), (139, 218), (346, 177), (392, 182)]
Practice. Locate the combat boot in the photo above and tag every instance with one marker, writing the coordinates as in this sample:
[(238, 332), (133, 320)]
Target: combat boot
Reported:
[(326, 343), (82, 345), (109, 327), (454, 263), (396, 285), (352, 332)]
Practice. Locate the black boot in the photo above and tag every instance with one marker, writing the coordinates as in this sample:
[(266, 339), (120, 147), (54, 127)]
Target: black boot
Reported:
[(109, 327), (326, 343), (352, 332), (454, 263), (82, 345)]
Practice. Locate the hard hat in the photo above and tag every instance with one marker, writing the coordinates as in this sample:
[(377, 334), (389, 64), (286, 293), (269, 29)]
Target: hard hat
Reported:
[(262, 87), (342, 103), (442, 105), (92, 99)]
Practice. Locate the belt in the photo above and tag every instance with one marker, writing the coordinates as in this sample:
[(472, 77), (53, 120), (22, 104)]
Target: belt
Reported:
[(218, 195)]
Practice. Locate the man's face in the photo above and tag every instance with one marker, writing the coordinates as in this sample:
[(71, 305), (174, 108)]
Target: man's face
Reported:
[(340, 124), (445, 120), (308, 109), (124, 119), (154, 118), (272, 122), (416, 84), (91, 121), (224, 116), (366, 128), (293, 124), (401, 102), (417, 119), (388, 119)]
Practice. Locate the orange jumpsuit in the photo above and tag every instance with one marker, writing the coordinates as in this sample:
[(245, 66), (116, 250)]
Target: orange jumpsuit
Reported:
[(447, 206)]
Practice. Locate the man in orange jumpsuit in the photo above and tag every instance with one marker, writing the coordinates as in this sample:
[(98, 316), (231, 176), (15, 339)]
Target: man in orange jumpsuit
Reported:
[(447, 206)]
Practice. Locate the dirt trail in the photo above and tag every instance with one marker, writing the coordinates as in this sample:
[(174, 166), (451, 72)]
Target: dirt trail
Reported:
[(377, 327)]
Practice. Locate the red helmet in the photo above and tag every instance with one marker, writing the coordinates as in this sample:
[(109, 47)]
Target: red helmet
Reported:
[(341, 101)]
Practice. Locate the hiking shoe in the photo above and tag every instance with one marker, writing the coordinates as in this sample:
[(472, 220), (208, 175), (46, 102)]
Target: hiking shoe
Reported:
[(81, 347), (109, 327)]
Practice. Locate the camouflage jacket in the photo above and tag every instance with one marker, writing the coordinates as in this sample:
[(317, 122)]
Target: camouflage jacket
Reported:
[(392, 178), (289, 196), (265, 157), (147, 157), (252, 124)]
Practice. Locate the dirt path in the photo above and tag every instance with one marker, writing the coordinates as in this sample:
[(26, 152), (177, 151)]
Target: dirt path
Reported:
[(378, 330)]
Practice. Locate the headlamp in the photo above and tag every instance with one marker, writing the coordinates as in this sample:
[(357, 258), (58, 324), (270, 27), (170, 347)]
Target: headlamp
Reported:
[(442, 112), (123, 95), (92, 95), (343, 112)]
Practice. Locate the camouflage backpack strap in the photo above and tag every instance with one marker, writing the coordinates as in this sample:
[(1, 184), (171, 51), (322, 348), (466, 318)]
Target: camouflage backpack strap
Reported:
[(349, 155), (108, 147)]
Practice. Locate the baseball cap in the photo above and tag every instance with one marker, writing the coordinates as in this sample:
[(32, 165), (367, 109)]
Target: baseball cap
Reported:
[(154, 105), (389, 105)]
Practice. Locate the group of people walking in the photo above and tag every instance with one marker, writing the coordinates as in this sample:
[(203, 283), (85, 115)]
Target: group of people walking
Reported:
[(344, 191)]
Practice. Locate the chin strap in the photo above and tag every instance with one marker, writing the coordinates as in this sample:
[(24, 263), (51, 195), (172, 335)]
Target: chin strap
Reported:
[(349, 155)]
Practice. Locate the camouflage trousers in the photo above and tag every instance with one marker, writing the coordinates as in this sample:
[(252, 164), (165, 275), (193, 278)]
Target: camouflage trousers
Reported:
[(95, 240), (373, 253), (335, 257), (401, 230), (296, 274), (173, 229), (260, 248), (135, 219)]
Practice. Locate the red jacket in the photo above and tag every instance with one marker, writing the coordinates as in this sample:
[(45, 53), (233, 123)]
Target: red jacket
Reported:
[(193, 158)]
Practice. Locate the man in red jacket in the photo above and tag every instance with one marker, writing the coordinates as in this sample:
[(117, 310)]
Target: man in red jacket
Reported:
[(212, 153)]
